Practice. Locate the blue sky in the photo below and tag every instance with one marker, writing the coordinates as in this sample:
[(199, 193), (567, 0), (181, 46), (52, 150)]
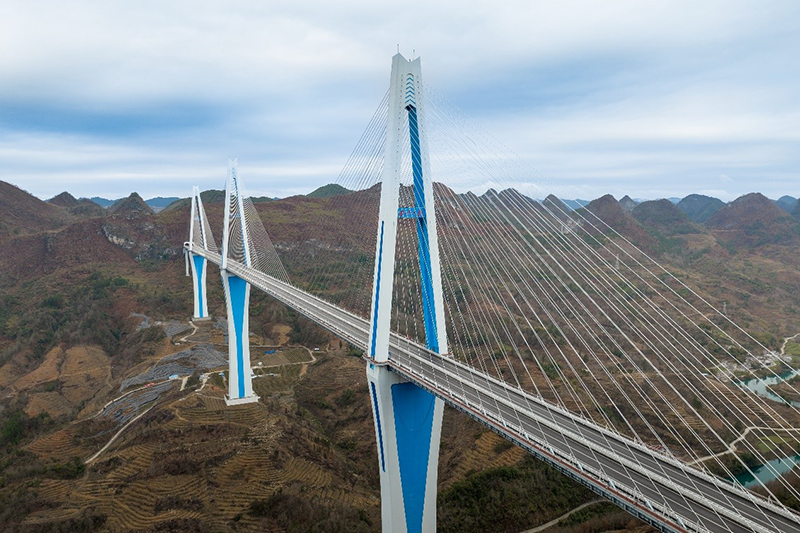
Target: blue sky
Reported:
[(652, 99)]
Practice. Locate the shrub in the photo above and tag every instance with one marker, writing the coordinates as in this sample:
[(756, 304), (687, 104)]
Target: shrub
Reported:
[(70, 470)]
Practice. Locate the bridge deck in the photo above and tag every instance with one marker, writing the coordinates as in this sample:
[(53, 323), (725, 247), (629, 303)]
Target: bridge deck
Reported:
[(651, 485)]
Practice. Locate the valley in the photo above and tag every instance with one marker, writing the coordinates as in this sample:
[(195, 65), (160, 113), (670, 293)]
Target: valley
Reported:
[(112, 406)]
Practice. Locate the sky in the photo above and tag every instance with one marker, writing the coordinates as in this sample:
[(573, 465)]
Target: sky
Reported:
[(652, 99)]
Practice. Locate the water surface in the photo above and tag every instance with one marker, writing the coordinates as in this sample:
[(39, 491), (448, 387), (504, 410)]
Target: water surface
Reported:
[(761, 386), (767, 472)]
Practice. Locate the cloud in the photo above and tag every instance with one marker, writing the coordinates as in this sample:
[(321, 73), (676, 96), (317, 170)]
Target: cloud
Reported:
[(621, 97)]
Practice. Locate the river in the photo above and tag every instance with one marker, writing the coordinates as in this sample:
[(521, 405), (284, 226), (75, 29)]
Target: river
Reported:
[(776, 467), (761, 386), (769, 471)]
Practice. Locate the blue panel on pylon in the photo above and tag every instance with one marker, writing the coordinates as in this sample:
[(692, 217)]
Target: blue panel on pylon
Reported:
[(377, 294), (378, 423), (426, 280), (413, 421), (238, 290), (199, 264), (426, 274)]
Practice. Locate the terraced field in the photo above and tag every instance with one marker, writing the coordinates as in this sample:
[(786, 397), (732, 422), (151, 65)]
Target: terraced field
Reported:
[(268, 360), (298, 355), (232, 447), (50, 402), (61, 444), (282, 380), (192, 462), (64, 382), (85, 370), (47, 371), (489, 451)]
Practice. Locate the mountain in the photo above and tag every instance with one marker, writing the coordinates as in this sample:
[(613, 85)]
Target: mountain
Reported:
[(516, 200), (64, 199), (615, 219), (489, 196), (699, 208), (21, 212), (488, 203), (787, 203), (627, 203), (103, 202), (133, 205), (326, 191), (554, 203), (557, 207), (575, 204), (156, 204), (664, 216), (82, 208), (211, 196), (159, 202), (754, 220)]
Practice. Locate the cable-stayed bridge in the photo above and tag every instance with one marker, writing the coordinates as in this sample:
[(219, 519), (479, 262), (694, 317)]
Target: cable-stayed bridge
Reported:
[(521, 315)]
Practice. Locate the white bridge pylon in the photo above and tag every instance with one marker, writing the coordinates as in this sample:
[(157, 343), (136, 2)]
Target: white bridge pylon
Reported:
[(199, 237), (408, 419), (236, 246)]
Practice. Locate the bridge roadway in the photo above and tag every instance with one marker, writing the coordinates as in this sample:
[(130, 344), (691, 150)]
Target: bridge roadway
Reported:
[(650, 485)]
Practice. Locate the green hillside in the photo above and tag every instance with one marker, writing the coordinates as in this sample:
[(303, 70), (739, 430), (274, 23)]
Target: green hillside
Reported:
[(700, 208), (326, 191)]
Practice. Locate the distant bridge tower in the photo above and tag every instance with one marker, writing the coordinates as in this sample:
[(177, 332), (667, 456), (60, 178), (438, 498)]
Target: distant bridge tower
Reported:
[(408, 419), (199, 237), (236, 245)]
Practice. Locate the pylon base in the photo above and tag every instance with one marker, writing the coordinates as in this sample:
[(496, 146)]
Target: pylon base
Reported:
[(241, 401)]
